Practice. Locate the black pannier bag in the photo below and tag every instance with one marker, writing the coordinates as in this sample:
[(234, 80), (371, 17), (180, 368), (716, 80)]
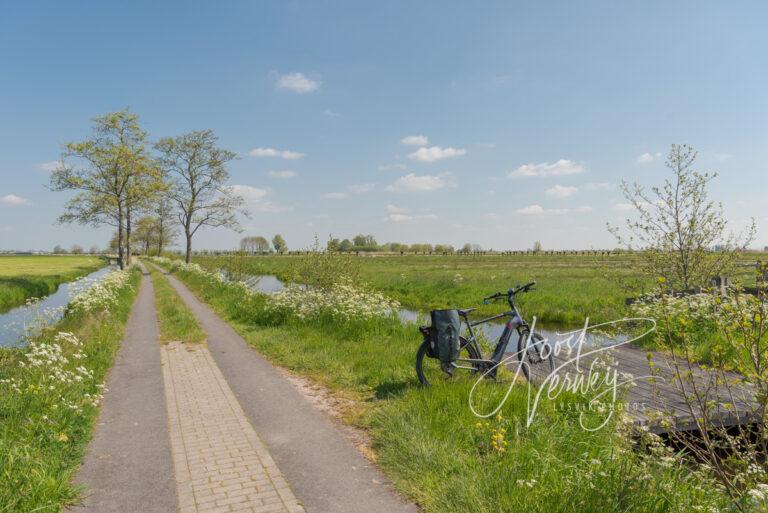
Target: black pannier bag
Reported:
[(445, 329)]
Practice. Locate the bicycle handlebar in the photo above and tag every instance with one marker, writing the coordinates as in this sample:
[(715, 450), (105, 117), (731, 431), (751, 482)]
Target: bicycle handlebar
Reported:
[(511, 292)]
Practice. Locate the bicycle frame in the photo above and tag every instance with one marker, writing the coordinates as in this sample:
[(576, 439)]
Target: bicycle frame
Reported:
[(515, 323)]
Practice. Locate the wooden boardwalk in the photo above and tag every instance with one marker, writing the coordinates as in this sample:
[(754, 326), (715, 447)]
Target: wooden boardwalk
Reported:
[(660, 389)]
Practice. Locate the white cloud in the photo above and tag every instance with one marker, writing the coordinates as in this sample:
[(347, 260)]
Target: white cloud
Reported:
[(560, 168), (623, 207), (286, 173), (597, 186), (647, 158), (392, 167), (394, 209), (415, 140), (272, 152), (297, 83), (50, 167), (335, 195), (361, 188), (538, 210), (561, 191), (416, 183), (255, 198), (435, 153), (402, 215), (331, 113), (13, 200), (405, 218), (249, 193)]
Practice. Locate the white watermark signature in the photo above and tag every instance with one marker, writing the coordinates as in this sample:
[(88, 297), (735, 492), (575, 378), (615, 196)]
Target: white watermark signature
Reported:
[(598, 382)]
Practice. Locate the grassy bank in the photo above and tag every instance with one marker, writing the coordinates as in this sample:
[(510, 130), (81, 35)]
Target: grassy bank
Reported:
[(23, 277), (432, 446), (176, 321), (50, 393), (570, 287)]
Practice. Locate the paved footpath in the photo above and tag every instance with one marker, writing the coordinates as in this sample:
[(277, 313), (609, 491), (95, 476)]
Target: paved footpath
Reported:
[(221, 464), (128, 466), (327, 474)]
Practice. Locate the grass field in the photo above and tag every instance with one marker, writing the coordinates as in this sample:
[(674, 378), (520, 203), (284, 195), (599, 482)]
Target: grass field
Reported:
[(432, 446), (22, 277), (570, 287)]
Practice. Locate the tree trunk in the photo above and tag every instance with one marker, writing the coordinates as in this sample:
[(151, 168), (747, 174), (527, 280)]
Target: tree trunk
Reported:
[(128, 235), (160, 238), (120, 255), (189, 249)]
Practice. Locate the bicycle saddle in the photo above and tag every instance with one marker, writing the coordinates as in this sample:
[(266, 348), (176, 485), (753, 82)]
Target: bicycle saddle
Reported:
[(466, 311)]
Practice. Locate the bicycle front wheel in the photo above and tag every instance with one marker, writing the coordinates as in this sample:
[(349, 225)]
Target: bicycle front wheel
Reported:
[(428, 368), (535, 357)]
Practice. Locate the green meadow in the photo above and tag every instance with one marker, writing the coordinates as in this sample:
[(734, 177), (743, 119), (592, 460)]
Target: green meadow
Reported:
[(23, 277)]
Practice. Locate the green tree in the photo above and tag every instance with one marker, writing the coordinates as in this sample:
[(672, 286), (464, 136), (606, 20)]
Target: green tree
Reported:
[(145, 233), (108, 167), (466, 248), (166, 223), (278, 242), (537, 247), (677, 228), (196, 170), (333, 245), (345, 245), (76, 250)]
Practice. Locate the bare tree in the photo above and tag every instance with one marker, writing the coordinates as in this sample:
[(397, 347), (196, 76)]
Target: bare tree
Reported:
[(196, 169), (677, 227)]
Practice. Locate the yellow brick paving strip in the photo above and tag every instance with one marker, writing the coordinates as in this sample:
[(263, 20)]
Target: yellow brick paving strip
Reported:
[(221, 464)]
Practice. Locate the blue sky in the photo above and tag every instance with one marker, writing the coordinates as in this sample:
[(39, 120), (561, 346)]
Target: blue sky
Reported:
[(496, 123)]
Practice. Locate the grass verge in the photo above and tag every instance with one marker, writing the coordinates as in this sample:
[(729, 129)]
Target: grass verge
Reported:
[(433, 447), (176, 321), (49, 400)]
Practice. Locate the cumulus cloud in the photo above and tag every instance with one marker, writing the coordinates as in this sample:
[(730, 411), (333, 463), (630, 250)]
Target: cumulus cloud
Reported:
[(418, 183), (538, 210), (297, 83), (50, 167), (272, 152), (256, 198), (13, 200), (561, 191), (435, 153), (403, 215), (415, 140), (361, 188), (647, 158), (560, 168), (335, 195), (286, 173), (394, 209)]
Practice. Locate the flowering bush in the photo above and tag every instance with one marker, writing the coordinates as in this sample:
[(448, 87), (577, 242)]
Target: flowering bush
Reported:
[(99, 295), (174, 265), (341, 301)]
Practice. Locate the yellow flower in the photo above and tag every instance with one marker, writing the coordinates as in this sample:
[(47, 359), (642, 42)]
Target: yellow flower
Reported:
[(62, 437)]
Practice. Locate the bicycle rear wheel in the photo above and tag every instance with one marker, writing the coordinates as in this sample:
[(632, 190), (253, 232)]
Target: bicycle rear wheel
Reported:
[(536, 360), (428, 369)]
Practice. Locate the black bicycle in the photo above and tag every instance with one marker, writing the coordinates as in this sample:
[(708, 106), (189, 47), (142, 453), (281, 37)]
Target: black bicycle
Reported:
[(534, 353)]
